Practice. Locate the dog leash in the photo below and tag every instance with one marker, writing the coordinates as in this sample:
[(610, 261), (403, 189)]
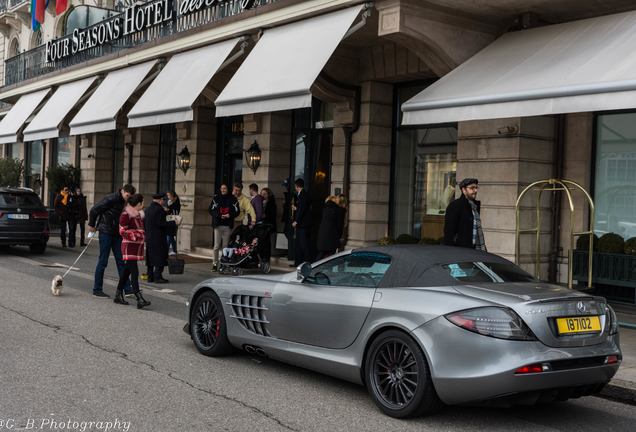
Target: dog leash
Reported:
[(90, 239)]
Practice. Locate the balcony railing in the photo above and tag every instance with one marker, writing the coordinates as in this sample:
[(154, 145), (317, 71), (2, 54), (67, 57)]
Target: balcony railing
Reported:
[(15, 3), (33, 63)]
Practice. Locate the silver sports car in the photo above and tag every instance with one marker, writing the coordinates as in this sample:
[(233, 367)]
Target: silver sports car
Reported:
[(419, 326)]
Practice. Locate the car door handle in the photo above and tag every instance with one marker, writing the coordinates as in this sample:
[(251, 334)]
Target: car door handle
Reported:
[(377, 296)]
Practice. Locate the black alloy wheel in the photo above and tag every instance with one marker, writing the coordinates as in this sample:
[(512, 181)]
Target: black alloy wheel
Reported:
[(398, 377), (208, 326)]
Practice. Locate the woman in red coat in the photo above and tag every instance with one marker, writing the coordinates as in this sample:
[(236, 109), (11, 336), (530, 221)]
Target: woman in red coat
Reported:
[(131, 229)]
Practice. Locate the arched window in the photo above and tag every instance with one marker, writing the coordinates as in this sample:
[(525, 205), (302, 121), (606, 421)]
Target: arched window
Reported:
[(36, 39), (14, 47), (84, 16)]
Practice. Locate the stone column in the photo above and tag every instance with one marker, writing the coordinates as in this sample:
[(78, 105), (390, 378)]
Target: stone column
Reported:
[(272, 132), (196, 186), (96, 163), (145, 158), (370, 166), (506, 155)]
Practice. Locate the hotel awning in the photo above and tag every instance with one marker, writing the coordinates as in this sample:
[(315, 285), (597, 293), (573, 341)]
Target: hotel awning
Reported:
[(18, 114), (99, 113), (280, 70), (170, 97), (586, 65), (45, 124)]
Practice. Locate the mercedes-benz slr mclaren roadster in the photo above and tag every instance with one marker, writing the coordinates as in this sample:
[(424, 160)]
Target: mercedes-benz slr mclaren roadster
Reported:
[(419, 326)]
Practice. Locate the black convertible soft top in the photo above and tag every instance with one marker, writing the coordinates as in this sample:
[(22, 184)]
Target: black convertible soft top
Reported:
[(420, 265)]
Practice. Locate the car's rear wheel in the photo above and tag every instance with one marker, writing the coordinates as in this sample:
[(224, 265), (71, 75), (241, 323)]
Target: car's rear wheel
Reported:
[(38, 248), (208, 327), (398, 377)]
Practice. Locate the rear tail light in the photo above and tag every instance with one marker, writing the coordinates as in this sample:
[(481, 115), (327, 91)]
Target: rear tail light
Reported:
[(40, 215), (533, 368), (613, 359), (497, 322), (612, 319)]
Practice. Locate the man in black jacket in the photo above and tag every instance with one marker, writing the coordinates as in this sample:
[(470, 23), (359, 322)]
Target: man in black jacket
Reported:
[(462, 222), (104, 217), (224, 208), (301, 223), (156, 227)]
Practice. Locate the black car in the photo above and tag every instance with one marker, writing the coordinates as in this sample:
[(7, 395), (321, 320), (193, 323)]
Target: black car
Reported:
[(23, 219)]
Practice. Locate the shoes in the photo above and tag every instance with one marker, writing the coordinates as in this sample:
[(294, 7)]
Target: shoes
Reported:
[(161, 281), (82, 244), (215, 267), (63, 245), (119, 298), (172, 253), (100, 294), (141, 301)]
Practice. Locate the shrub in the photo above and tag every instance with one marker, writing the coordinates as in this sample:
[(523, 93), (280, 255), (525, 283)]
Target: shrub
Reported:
[(611, 243), (630, 246), (384, 241), (63, 175), (429, 241), (11, 171), (582, 243), (406, 239)]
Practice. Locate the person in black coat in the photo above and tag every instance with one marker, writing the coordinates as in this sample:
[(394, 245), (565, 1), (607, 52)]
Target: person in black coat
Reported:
[(224, 208), (330, 229), (301, 223), (270, 217), (462, 222), (81, 212), (104, 217), (174, 208), (156, 226)]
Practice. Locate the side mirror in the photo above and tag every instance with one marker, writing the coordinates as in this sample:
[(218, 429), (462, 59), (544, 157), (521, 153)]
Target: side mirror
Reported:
[(303, 271)]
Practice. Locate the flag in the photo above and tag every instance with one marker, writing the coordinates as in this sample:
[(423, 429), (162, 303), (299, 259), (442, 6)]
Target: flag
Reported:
[(60, 6), (40, 7), (35, 25)]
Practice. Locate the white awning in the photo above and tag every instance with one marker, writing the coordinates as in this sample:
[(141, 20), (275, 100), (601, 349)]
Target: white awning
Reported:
[(45, 124), (587, 65), (170, 97), (280, 70), (99, 113), (18, 114)]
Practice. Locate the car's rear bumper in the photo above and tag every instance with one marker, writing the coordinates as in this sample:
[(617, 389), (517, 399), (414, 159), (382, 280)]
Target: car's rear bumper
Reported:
[(467, 367), (23, 238)]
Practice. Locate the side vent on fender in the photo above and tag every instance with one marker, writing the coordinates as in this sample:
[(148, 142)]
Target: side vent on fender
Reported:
[(250, 312)]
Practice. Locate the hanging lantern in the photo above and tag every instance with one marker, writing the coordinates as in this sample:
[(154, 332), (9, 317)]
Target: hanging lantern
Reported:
[(183, 159), (253, 157)]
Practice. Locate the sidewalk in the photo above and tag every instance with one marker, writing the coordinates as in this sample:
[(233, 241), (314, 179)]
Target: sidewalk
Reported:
[(622, 387)]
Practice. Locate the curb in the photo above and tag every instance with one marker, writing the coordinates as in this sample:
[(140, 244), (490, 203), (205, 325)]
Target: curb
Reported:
[(619, 391)]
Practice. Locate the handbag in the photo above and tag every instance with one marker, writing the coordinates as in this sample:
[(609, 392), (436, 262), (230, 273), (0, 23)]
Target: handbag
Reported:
[(176, 265), (281, 241)]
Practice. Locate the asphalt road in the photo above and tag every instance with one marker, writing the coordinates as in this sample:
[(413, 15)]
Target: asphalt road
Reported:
[(70, 360)]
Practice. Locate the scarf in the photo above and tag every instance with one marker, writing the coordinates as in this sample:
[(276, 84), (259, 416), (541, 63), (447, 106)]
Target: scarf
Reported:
[(64, 197), (478, 234)]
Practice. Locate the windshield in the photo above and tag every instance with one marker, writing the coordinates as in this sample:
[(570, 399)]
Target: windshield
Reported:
[(19, 200), (476, 272)]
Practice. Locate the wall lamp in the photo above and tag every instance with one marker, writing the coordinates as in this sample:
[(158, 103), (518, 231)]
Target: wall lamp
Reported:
[(253, 156), (183, 159)]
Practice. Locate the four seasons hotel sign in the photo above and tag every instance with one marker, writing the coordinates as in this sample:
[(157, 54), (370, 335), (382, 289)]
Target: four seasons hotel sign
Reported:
[(133, 19)]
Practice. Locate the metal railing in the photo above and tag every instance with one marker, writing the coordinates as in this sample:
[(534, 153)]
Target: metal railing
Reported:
[(33, 63), (15, 3)]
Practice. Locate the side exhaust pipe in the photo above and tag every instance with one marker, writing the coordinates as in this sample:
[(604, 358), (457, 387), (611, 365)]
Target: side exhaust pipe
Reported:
[(249, 349), (260, 352)]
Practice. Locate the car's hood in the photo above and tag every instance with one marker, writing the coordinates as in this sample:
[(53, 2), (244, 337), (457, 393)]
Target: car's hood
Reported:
[(513, 293)]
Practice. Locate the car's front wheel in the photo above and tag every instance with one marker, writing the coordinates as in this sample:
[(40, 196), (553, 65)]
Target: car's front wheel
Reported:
[(208, 327), (398, 378)]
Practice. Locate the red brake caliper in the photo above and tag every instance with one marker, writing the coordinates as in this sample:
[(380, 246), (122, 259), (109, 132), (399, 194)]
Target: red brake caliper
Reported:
[(218, 327)]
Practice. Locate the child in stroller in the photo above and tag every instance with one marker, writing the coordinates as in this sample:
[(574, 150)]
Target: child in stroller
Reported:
[(248, 248)]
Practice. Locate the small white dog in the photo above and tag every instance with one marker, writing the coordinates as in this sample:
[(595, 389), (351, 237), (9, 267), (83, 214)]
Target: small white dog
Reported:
[(56, 285)]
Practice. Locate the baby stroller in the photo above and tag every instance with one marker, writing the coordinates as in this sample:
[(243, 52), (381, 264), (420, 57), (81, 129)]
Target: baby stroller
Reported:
[(249, 248)]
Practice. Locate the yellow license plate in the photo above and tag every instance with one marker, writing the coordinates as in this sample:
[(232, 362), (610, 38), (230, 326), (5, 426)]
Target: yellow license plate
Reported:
[(582, 324)]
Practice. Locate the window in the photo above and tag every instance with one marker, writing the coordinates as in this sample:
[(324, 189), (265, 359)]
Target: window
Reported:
[(475, 272), (62, 152), (615, 176), (83, 16), (359, 269), (424, 176), (20, 200)]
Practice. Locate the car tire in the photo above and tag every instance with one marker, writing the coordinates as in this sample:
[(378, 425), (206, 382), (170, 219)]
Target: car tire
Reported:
[(38, 248), (208, 327), (398, 378)]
